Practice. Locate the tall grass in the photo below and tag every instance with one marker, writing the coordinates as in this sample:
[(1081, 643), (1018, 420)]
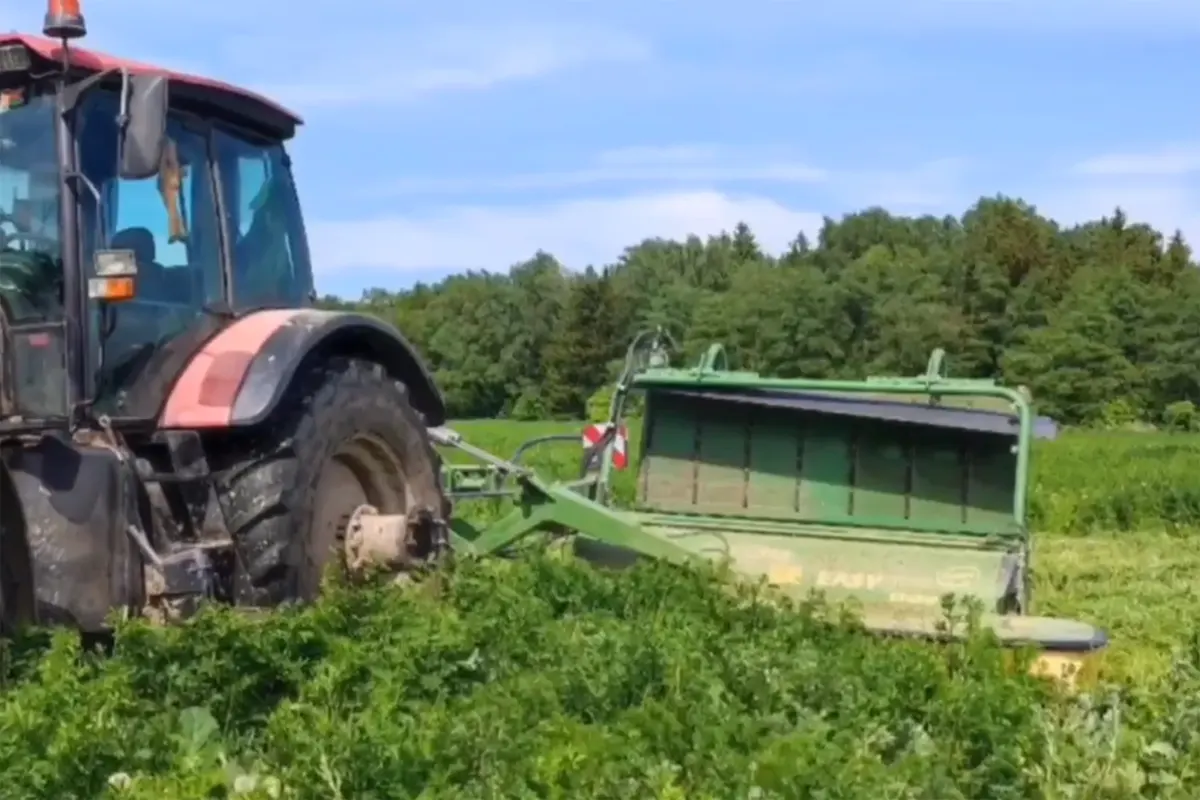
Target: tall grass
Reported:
[(543, 679), (1087, 482)]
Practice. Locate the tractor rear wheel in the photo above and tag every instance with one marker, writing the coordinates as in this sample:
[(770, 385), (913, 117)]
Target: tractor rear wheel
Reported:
[(348, 436)]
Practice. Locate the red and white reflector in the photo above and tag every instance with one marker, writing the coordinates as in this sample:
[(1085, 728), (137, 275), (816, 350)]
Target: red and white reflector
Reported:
[(592, 435)]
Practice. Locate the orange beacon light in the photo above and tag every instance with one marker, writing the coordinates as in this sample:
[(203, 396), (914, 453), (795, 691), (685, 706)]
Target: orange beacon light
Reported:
[(64, 20)]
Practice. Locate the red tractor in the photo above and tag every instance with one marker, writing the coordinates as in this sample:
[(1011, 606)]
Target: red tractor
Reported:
[(178, 422)]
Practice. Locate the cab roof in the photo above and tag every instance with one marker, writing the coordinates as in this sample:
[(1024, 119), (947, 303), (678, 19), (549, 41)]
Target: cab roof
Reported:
[(221, 99)]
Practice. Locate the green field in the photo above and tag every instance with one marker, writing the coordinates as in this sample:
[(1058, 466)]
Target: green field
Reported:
[(546, 679)]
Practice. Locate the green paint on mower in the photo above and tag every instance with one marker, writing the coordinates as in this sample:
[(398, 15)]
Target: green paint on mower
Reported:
[(892, 493)]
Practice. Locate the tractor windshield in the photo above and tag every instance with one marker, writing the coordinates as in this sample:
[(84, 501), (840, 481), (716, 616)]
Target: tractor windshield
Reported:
[(30, 249)]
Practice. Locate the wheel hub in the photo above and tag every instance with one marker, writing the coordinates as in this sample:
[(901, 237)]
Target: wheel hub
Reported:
[(392, 541)]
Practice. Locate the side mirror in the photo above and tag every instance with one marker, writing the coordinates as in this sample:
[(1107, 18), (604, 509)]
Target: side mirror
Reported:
[(145, 133)]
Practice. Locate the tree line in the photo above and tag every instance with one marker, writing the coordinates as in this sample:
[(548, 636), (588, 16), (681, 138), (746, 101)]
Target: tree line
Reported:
[(1101, 320)]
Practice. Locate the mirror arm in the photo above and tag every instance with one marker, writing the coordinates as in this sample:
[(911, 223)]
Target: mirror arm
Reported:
[(101, 212), (75, 92), (123, 108)]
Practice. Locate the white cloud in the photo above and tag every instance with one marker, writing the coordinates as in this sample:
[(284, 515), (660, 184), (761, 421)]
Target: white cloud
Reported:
[(931, 15), (1171, 160), (772, 173), (1165, 204), (594, 230), (689, 194), (660, 154), (1026, 17), (782, 173), (667, 166), (323, 56), (1157, 186), (386, 68), (579, 232), (936, 185)]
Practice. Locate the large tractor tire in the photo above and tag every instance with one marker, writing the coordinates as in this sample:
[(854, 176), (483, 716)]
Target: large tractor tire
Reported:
[(346, 437)]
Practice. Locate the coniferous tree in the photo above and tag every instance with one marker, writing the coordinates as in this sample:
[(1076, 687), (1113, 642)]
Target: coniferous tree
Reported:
[(578, 356)]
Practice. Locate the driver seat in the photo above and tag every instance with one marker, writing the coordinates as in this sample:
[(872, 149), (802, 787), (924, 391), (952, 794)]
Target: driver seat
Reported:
[(151, 275)]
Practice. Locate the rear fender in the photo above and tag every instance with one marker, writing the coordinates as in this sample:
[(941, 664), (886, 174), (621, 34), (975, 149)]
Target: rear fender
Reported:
[(240, 376)]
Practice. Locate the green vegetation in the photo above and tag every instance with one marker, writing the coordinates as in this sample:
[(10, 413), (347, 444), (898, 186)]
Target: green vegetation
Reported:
[(1100, 321), (1093, 481), (543, 678)]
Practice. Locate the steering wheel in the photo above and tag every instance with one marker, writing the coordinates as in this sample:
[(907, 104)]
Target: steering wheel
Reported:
[(28, 277), (38, 240)]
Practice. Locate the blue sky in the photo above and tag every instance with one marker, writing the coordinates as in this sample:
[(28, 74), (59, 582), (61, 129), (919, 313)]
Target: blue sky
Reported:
[(459, 134)]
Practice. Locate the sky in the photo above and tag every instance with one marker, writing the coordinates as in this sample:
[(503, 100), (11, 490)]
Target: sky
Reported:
[(462, 134)]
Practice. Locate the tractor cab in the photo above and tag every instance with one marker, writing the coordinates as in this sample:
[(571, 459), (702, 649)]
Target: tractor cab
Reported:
[(164, 378), (140, 211)]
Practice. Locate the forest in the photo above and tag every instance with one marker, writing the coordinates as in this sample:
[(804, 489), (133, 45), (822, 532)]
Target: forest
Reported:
[(1101, 321)]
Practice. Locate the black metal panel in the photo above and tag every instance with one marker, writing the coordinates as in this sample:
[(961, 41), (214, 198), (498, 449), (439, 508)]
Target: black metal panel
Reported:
[(978, 420), (39, 370), (75, 505)]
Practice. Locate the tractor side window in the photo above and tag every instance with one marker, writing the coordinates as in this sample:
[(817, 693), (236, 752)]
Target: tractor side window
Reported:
[(270, 260), (31, 269), (172, 231), (169, 221)]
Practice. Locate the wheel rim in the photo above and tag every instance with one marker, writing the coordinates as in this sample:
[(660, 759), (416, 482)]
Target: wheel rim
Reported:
[(362, 471)]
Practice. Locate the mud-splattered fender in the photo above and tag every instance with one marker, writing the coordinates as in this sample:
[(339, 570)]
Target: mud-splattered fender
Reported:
[(66, 513), (240, 375)]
